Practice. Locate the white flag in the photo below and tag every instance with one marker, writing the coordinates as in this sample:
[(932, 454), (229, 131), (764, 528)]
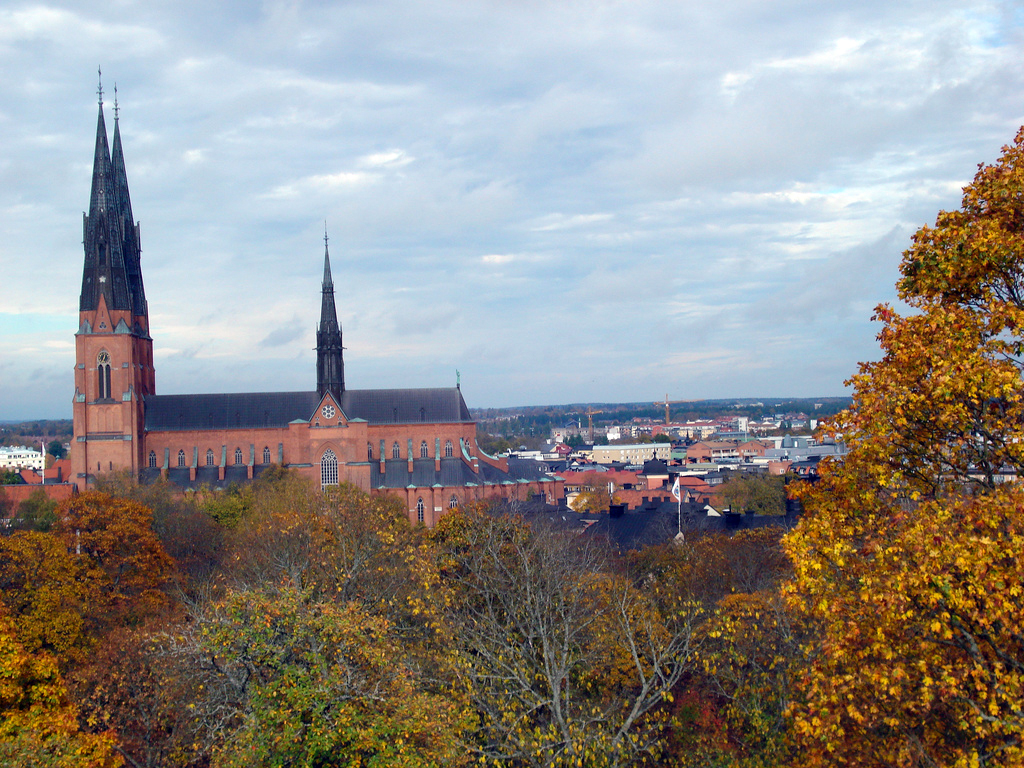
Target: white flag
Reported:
[(675, 489)]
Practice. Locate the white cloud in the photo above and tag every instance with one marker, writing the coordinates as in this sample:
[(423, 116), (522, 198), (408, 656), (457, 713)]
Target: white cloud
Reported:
[(682, 189)]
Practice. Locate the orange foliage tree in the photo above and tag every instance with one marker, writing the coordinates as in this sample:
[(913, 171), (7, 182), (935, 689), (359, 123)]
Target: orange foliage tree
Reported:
[(909, 561), (38, 724)]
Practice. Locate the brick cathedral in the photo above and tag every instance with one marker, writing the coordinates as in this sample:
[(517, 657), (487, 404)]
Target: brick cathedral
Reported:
[(419, 444)]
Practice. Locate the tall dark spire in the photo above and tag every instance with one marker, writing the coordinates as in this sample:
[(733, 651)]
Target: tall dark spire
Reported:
[(125, 223), (104, 273), (330, 363)]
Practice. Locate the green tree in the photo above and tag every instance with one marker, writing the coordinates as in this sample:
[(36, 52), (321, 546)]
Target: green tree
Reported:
[(56, 449), (9, 477), (760, 493), (908, 561), (36, 513)]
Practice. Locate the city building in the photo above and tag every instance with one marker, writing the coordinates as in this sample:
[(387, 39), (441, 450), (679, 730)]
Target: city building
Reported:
[(20, 457), (631, 454)]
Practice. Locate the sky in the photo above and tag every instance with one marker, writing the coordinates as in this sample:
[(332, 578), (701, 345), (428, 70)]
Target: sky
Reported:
[(566, 202)]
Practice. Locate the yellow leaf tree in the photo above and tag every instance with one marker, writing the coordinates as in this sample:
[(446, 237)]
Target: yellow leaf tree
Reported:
[(908, 562)]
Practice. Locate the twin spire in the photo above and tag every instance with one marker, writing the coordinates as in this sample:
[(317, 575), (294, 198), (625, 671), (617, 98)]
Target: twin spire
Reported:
[(113, 254)]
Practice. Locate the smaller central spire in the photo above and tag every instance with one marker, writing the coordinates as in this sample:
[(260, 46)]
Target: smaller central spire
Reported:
[(330, 364)]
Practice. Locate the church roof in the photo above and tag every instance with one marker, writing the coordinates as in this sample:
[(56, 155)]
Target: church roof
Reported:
[(406, 406), (254, 410), (241, 410), (454, 472)]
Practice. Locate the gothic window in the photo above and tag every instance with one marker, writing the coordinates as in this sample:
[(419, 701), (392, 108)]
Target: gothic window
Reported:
[(238, 455), (419, 509), (453, 502), (328, 469), (103, 374), (424, 451), (448, 449), (209, 457), (181, 458), (369, 451), (152, 459), (396, 451), (266, 454)]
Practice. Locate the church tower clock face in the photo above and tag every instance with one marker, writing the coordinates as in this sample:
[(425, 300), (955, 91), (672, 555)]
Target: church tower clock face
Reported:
[(328, 411)]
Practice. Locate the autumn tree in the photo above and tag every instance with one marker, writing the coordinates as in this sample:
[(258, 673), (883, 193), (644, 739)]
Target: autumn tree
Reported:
[(594, 495), (287, 678), (38, 723), (908, 561), (566, 662)]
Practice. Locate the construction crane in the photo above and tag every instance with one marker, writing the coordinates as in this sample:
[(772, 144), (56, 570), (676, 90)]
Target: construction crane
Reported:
[(590, 422), (668, 402)]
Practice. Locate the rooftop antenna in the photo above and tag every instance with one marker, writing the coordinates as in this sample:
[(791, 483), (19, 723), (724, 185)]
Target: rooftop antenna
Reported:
[(99, 90)]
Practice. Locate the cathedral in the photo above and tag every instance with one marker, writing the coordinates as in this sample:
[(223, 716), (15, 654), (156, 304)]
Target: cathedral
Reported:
[(417, 444)]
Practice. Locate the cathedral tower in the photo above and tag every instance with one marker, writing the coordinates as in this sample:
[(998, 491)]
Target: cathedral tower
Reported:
[(113, 348), (330, 363)]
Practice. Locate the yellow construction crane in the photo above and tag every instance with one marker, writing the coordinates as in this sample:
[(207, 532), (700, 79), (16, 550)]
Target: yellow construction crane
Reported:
[(667, 403)]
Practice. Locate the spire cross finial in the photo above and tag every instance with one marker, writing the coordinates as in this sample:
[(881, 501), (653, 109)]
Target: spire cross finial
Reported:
[(116, 112), (99, 90), (325, 233)]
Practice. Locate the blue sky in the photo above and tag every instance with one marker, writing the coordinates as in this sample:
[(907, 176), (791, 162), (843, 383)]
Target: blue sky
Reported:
[(566, 201)]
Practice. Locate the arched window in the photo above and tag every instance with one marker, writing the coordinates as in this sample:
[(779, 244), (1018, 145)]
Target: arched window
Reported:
[(419, 510), (266, 454), (453, 502), (181, 458), (209, 457), (424, 451), (396, 451), (448, 449), (152, 459), (238, 455), (328, 469), (103, 374), (369, 451)]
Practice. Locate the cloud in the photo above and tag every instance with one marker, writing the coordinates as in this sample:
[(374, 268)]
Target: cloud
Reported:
[(567, 201), (284, 335)]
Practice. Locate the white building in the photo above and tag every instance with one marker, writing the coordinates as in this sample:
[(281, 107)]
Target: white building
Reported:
[(632, 454), (20, 457)]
